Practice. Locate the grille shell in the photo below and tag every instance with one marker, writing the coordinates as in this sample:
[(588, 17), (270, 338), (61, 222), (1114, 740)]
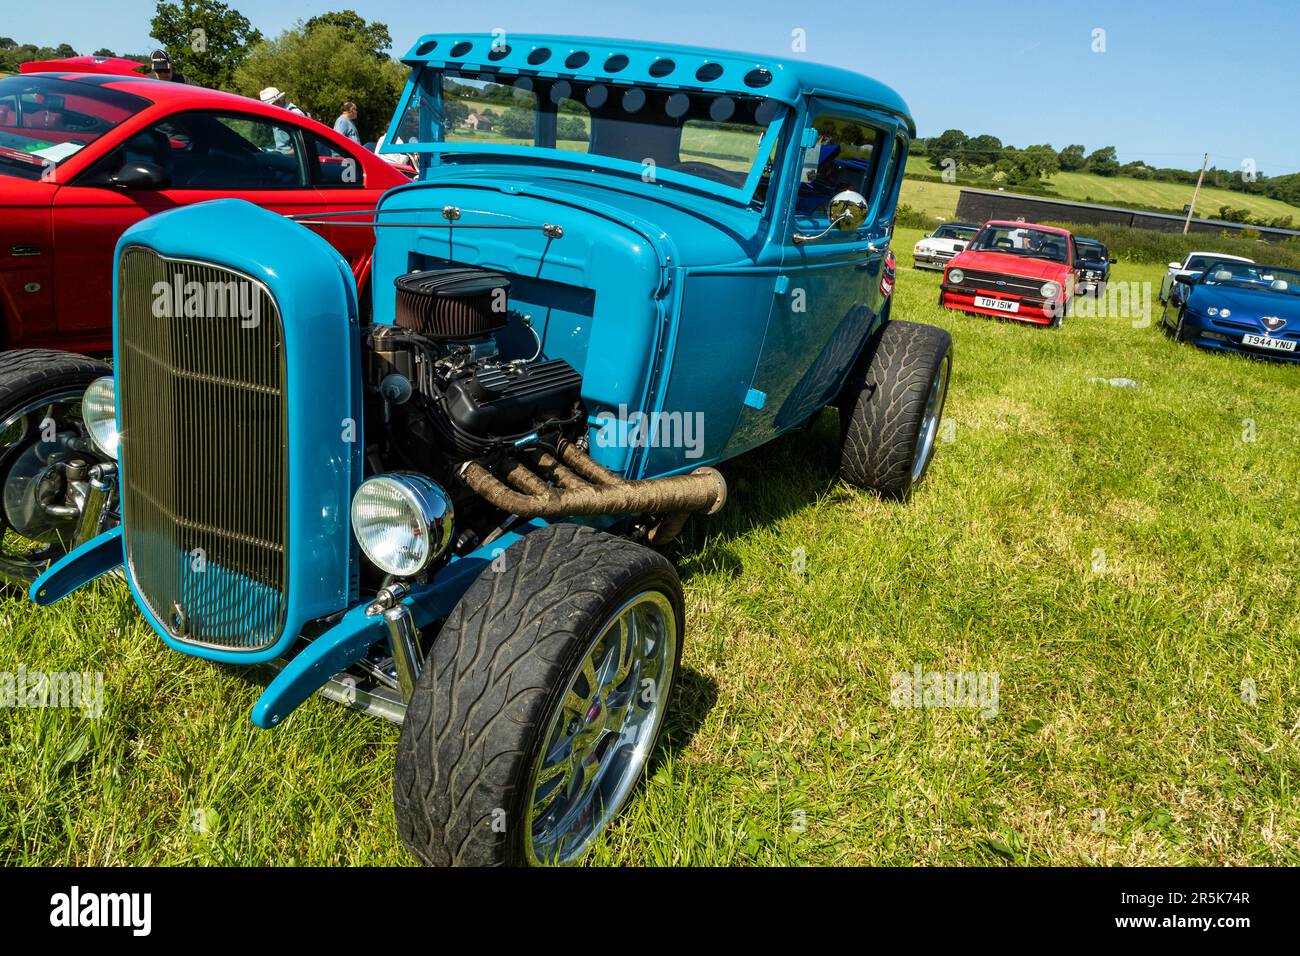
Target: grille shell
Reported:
[(203, 418), (1012, 285)]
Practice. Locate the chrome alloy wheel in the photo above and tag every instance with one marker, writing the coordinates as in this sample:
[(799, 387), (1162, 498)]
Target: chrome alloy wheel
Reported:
[(930, 420), (598, 739), (30, 535)]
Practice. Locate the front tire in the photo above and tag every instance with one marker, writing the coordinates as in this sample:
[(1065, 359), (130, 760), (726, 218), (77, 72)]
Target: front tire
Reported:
[(1180, 328), (540, 703), (891, 408), (40, 393)]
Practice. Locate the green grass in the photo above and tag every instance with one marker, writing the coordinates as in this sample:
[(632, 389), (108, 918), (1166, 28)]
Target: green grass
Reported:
[(1122, 735), (940, 199)]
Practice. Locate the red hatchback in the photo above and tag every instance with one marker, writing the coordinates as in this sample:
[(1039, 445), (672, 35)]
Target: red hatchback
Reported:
[(1013, 270), (83, 156)]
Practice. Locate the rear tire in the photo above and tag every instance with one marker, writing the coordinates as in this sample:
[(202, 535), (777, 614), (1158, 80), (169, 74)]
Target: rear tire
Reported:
[(891, 408), (511, 674)]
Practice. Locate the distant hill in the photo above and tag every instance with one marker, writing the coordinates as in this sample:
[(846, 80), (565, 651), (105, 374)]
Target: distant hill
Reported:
[(1111, 191)]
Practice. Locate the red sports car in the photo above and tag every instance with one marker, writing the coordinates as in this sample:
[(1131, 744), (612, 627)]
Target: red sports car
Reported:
[(1014, 270), (84, 155)]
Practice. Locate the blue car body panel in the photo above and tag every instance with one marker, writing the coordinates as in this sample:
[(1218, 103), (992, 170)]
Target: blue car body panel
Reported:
[(78, 567), (670, 297), (1248, 308)]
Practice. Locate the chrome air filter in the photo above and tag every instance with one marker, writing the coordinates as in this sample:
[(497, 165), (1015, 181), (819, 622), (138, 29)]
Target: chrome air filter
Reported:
[(452, 303)]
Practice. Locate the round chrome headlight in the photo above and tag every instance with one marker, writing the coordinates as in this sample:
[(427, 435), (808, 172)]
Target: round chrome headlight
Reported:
[(1212, 310), (402, 522), (1224, 313), (99, 412), (1049, 290), (955, 276)]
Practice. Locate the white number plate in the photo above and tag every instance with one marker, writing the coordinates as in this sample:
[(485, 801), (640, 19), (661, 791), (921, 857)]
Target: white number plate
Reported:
[(1265, 342), (1001, 305)]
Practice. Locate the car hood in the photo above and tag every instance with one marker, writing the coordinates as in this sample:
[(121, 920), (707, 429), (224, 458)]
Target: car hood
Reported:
[(1014, 265), (945, 245), (1248, 305), (701, 231)]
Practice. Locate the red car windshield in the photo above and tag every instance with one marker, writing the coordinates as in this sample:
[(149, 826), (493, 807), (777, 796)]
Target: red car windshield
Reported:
[(44, 120), (1026, 241)]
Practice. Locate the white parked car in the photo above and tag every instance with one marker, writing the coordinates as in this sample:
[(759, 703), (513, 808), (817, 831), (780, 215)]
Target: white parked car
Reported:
[(1195, 262), (934, 251)]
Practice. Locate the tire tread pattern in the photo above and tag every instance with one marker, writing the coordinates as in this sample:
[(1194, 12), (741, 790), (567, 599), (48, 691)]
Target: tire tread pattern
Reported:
[(881, 418), (496, 666)]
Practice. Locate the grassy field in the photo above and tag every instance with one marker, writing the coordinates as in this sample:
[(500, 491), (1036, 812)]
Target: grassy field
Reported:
[(1104, 190), (1122, 558)]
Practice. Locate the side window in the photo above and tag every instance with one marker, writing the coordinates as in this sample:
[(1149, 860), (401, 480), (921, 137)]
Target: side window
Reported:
[(331, 167), (220, 151), (845, 156)]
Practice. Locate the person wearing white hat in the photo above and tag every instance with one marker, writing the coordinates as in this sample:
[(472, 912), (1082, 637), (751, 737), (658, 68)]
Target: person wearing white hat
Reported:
[(272, 96)]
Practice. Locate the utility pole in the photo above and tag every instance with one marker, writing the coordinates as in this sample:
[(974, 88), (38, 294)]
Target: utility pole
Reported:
[(1195, 192)]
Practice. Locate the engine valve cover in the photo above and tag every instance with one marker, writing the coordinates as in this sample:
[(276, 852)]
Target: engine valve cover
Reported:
[(503, 400)]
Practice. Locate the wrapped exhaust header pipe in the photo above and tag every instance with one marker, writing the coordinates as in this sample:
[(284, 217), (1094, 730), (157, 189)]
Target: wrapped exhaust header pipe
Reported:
[(575, 484)]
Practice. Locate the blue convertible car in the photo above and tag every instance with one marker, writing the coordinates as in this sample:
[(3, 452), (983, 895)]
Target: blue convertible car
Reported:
[(1239, 307)]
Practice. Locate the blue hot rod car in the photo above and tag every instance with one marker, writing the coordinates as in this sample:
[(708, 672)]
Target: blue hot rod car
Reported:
[(1237, 306), (621, 264)]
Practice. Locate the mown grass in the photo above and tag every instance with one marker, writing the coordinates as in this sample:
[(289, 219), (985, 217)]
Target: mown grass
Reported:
[(1120, 557), (1105, 191)]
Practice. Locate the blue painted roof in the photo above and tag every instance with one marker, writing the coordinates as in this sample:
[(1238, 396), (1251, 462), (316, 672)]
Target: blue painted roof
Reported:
[(660, 64)]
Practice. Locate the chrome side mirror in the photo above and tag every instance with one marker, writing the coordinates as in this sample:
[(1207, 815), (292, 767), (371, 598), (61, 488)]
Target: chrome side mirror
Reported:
[(848, 211)]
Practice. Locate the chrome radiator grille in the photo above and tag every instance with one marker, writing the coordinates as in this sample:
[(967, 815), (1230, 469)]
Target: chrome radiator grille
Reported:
[(200, 383)]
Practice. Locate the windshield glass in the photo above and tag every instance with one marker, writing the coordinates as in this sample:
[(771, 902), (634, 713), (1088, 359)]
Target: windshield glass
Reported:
[(1022, 241), (1201, 262), (954, 232), (675, 136), (1090, 252), (1245, 275), (43, 121)]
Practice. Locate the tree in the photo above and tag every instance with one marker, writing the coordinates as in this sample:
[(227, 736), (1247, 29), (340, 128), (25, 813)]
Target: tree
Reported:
[(354, 27), (206, 40), (103, 51), (11, 57), (454, 112), (1042, 160), (570, 127), (517, 124), (1104, 162), (982, 150), (322, 68), (948, 145), (1072, 158)]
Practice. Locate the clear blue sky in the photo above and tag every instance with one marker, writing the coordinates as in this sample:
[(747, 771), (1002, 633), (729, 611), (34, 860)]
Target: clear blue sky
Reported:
[(1176, 79)]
